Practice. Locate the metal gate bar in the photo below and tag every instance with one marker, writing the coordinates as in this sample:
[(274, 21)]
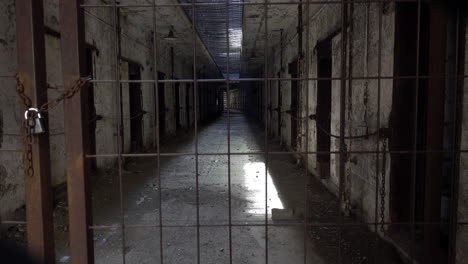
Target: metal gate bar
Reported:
[(76, 133), (32, 76)]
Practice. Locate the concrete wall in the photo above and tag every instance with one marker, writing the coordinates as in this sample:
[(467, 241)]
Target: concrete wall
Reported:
[(136, 46), (361, 100)]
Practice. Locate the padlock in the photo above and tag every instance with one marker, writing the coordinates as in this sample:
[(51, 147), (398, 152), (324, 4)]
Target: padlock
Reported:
[(36, 124)]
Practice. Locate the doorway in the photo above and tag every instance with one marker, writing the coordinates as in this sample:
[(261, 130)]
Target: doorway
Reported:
[(424, 176), (177, 105), (91, 109), (401, 121), (323, 110), (136, 108), (293, 112), (161, 104), (280, 101)]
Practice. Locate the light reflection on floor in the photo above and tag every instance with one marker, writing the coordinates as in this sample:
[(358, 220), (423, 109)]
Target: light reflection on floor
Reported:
[(254, 180)]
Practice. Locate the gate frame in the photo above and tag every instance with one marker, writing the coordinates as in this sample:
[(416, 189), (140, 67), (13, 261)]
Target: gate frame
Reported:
[(30, 38), (76, 131)]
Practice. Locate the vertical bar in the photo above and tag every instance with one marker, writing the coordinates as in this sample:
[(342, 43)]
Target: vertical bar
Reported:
[(341, 187), (229, 128), (196, 101), (434, 139), (306, 118), (457, 114), (120, 129), (32, 73), (157, 132), (76, 133), (377, 154), (265, 109), (415, 136)]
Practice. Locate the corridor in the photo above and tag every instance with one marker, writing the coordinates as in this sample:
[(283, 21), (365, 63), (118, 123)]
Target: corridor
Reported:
[(286, 192), (234, 131)]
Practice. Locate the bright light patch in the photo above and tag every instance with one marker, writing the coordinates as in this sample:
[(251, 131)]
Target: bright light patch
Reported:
[(254, 179)]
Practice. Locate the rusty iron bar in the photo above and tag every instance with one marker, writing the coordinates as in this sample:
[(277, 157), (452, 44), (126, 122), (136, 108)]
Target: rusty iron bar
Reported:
[(275, 224), (402, 77), (457, 116), (412, 252), (195, 107), (306, 148), (342, 146), (30, 38), (175, 154), (265, 100), (200, 4), (228, 94), (76, 133), (120, 129), (378, 151), (157, 131)]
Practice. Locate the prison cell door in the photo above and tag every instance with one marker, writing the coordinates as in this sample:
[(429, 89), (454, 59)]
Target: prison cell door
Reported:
[(426, 185), (136, 108), (161, 104), (323, 110), (177, 105), (402, 120), (280, 100), (187, 104), (293, 112), (91, 109)]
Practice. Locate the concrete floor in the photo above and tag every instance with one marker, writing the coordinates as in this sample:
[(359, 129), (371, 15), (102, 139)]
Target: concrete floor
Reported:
[(285, 190)]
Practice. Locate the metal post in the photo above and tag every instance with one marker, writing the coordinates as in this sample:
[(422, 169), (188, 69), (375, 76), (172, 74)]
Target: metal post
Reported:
[(32, 73), (76, 129)]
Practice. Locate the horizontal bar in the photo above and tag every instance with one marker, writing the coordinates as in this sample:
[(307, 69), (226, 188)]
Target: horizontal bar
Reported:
[(169, 154), (421, 77), (11, 150), (284, 224), (12, 222), (244, 3)]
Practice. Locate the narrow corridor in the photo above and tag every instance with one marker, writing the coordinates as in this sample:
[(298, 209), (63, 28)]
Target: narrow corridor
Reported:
[(140, 205)]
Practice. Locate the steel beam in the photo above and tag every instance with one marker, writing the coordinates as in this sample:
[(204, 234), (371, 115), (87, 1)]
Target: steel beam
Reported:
[(32, 73), (76, 130)]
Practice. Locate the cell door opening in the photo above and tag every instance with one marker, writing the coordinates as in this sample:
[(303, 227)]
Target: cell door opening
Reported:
[(162, 104), (280, 101), (91, 109), (293, 112), (424, 178), (187, 105), (136, 108), (177, 105), (323, 110), (402, 121)]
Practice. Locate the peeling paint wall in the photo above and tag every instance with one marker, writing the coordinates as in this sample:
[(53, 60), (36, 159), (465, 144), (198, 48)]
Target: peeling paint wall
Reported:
[(361, 99)]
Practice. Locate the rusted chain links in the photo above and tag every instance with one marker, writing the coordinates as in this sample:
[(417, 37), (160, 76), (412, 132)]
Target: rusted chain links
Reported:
[(30, 116), (346, 137), (382, 188)]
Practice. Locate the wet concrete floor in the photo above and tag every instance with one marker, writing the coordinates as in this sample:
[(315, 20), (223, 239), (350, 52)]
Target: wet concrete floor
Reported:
[(284, 240)]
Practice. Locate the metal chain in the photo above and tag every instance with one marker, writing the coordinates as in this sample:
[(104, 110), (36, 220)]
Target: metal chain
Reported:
[(30, 118), (382, 188)]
